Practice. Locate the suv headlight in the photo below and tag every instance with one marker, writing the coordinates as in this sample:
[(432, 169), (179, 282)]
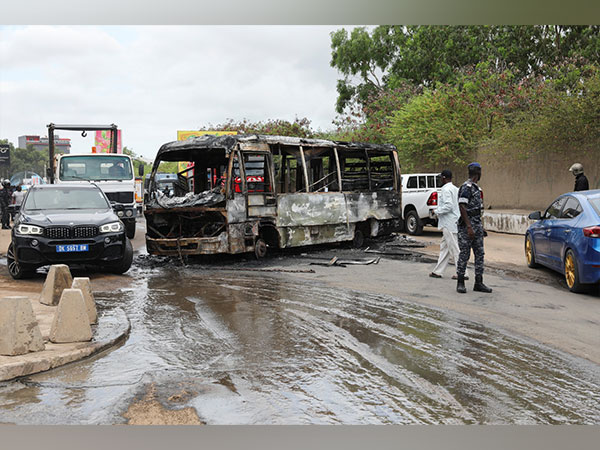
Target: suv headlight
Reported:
[(112, 227), (29, 229)]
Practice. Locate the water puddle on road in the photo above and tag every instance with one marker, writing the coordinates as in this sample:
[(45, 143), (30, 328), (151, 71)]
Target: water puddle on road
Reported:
[(249, 349)]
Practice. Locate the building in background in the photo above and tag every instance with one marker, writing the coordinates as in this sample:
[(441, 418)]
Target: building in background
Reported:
[(41, 143)]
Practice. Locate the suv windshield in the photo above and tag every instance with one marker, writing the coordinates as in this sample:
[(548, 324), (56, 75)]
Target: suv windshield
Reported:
[(95, 168), (60, 198)]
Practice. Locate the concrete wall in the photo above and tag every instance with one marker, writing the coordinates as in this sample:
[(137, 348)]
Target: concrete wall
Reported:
[(530, 184)]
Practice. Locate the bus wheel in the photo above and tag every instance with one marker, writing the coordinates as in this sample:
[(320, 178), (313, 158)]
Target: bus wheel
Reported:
[(359, 238), (260, 248)]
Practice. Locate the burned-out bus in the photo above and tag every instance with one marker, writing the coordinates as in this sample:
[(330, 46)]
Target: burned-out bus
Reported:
[(247, 193)]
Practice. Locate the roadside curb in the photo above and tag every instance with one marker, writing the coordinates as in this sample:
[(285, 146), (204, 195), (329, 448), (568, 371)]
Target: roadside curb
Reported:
[(112, 329)]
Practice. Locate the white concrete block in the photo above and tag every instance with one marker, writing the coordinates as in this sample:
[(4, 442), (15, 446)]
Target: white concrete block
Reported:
[(83, 283), (19, 330), (71, 321), (58, 278)]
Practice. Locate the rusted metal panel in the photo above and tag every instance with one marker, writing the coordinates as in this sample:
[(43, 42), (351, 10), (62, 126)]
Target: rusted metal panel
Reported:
[(311, 209), (262, 211), (318, 234), (236, 209), (239, 233), (188, 246), (256, 200)]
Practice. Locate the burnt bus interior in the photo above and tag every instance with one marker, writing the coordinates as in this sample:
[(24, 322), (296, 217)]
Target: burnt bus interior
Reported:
[(198, 205)]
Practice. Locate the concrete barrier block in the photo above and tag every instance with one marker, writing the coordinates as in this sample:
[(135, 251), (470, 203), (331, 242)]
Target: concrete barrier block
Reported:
[(58, 278), (83, 283), (506, 222), (19, 330), (71, 321)]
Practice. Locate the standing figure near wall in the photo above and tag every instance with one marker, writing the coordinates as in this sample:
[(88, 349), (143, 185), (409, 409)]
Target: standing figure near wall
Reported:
[(581, 181), (448, 214), (470, 230)]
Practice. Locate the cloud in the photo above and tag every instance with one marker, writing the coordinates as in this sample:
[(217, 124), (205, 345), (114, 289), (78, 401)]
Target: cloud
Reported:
[(154, 80)]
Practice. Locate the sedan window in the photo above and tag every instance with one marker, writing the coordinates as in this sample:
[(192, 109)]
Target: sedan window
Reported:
[(553, 211), (596, 204), (572, 209)]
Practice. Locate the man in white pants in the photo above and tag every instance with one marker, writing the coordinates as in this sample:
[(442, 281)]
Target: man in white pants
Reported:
[(448, 214)]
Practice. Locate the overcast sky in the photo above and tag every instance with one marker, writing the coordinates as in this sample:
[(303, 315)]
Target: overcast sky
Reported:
[(154, 80)]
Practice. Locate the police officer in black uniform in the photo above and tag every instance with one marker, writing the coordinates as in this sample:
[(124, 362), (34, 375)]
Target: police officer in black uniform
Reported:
[(470, 230), (581, 181)]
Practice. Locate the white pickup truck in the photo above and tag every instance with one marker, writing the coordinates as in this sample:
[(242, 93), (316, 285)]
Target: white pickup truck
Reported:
[(419, 199)]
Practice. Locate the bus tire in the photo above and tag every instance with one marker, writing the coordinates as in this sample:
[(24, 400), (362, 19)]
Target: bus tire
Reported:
[(260, 248), (359, 238)]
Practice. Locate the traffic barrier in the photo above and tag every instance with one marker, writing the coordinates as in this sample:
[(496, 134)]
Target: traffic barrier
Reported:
[(83, 283), (71, 321), (58, 278), (19, 330)]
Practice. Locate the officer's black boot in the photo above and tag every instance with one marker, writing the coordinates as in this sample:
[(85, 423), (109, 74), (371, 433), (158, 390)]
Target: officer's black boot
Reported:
[(479, 286), (460, 285)]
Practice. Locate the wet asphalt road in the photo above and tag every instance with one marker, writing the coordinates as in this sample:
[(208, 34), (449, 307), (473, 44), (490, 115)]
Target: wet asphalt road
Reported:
[(256, 348)]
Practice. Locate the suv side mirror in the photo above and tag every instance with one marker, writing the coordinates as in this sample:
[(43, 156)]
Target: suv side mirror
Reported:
[(535, 215), (141, 169)]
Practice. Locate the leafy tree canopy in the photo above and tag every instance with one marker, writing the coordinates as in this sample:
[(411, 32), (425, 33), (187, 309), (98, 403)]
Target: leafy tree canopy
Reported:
[(372, 61)]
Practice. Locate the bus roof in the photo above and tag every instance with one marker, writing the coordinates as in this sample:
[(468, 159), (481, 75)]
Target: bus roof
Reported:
[(229, 142)]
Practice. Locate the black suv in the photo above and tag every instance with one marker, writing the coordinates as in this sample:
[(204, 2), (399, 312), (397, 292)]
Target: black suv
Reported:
[(66, 224)]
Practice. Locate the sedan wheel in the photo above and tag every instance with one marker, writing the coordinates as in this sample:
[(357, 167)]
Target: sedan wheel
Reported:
[(572, 273), (529, 254)]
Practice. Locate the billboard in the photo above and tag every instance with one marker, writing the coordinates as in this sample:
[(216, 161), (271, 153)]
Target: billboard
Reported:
[(103, 141), (4, 155), (182, 135)]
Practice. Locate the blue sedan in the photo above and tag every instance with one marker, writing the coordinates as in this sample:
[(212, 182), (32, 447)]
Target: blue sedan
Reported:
[(566, 238)]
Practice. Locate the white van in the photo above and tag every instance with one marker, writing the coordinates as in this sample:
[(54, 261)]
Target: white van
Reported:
[(419, 199)]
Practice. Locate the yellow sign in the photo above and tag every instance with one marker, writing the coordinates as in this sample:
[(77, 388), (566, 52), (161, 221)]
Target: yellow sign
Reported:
[(182, 135), (182, 165)]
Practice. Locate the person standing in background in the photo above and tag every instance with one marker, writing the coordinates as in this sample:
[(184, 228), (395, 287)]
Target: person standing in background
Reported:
[(581, 181), (447, 213), (5, 200), (18, 197), (470, 230)]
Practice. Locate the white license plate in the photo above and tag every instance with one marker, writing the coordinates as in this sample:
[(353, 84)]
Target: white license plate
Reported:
[(72, 248)]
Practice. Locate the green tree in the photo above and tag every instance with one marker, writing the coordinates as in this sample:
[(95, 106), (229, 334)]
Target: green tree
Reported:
[(28, 159), (436, 128), (300, 127), (137, 162), (372, 61)]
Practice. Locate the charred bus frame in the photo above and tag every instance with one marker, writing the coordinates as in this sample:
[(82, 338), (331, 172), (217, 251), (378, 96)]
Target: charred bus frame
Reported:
[(249, 192)]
